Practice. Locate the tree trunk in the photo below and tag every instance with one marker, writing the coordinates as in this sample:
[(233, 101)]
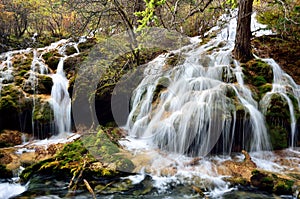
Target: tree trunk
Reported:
[(242, 48)]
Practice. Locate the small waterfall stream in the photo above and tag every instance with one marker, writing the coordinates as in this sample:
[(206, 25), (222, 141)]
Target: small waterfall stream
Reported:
[(60, 99), (283, 85)]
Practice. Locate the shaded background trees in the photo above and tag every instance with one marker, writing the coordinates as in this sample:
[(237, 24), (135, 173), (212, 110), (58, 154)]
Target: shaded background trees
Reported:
[(52, 19)]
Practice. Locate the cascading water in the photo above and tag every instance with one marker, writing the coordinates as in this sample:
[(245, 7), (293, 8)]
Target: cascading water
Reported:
[(37, 67), (283, 85), (60, 100), (5, 71), (187, 109), (199, 104)]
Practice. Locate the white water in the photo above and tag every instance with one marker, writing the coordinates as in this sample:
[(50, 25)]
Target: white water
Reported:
[(194, 113), (60, 100), (283, 84), (8, 190)]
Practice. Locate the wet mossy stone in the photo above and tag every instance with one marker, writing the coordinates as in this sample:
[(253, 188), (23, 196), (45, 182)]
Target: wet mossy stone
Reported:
[(42, 84), (272, 183), (278, 108), (22, 64), (279, 137), (95, 155), (100, 145), (52, 59), (283, 187), (45, 84), (70, 50), (43, 112), (174, 59), (262, 181), (12, 98), (259, 77)]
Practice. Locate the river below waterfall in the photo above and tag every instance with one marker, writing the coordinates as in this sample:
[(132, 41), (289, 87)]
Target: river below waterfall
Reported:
[(167, 176)]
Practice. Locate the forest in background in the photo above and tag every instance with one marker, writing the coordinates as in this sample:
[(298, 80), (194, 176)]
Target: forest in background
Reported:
[(51, 20)]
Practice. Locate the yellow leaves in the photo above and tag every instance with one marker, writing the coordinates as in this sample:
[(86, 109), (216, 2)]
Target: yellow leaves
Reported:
[(50, 164)]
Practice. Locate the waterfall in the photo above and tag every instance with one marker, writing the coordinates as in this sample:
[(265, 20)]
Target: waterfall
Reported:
[(37, 67), (33, 75), (60, 100), (283, 85), (197, 105), (6, 71)]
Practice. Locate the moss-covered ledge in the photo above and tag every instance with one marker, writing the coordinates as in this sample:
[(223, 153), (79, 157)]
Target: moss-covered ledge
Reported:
[(92, 157)]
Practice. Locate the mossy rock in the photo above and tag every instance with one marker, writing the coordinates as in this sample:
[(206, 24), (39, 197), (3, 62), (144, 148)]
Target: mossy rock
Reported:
[(12, 98), (283, 187), (70, 50), (279, 137), (263, 89), (278, 108), (43, 112), (234, 181), (42, 84), (258, 76), (87, 44), (103, 145), (22, 65), (94, 155), (174, 60), (262, 181), (52, 59), (45, 84), (270, 182)]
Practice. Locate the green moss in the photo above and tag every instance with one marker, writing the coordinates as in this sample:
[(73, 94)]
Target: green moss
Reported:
[(271, 182), (22, 72), (258, 76), (279, 137), (70, 50), (259, 80), (22, 63), (278, 108), (263, 89), (51, 59), (11, 98), (42, 112), (284, 187)]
